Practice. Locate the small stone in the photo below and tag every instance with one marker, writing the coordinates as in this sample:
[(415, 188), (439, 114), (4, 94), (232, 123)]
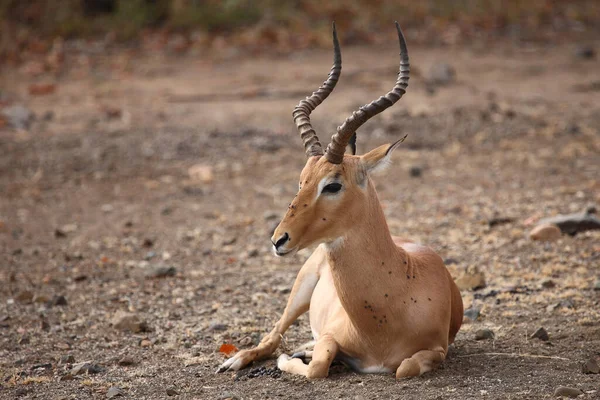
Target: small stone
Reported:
[(472, 314), (86, 367), (145, 343), (545, 233), (67, 359), (125, 321), (216, 326), (172, 392), (471, 279), (564, 391), (17, 116), (126, 361), (269, 215), (40, 298), (228, 396), (246, 341), (59, 301), (597, 284), (415, 171), (541, 334), (114, 392), (483, 334), (160, 271), (201, 173), (441, 74), (548, 284), (24, 297), (585, 52), (591, 366), (252, 253)]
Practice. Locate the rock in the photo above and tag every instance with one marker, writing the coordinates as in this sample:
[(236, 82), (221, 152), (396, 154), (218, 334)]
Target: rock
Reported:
[(499, 221), (548, 284), (415, 171), (472, 314), (145, 343), (585, 52), (201, 173), (471, 279), (483, 334), (228, 396), (441, 74), (246, 341), (86, 367), (114, 392), (66, 359), (269, 215), (126, 361), (597, 284), (252, 253), (160, 271), (172, 392), (541, 334), (591, 366), (59, 301), (216, 326), (564, 391), (41, 298), (545, 233), (17, 116), (573, 224), (24, 297), (125, 321)]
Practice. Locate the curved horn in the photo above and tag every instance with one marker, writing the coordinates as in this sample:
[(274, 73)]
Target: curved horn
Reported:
[(339, 141), (302, 111)]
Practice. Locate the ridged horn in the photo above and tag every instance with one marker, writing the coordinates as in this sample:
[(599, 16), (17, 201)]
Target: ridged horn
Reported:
[(302, 111), (339, 141)]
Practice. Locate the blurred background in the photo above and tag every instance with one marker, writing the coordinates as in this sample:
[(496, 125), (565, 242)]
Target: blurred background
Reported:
[(147, 152)]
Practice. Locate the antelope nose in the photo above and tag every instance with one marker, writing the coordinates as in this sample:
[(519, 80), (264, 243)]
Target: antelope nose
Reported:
[(281, 241)]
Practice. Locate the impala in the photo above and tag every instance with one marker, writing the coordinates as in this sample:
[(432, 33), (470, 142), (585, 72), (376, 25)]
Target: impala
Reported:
[(377, 302)]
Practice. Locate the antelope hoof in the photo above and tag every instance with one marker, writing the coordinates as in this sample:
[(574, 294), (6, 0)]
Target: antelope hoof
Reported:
[(282, 360), (233, 364)]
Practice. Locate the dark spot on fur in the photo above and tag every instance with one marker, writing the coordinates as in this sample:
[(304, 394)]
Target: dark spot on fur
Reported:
[(386, 295), (305, 205), (381, 321), (324, 219), (413, 277), (407, 276), (429, 298), (374, 317), (390, 272), (405, 262), (382, 263)]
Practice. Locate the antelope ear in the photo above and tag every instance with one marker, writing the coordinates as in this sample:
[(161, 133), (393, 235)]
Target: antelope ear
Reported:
[(378, 159)]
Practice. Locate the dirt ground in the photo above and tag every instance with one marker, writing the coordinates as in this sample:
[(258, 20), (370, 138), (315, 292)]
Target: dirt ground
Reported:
[(96, 194)]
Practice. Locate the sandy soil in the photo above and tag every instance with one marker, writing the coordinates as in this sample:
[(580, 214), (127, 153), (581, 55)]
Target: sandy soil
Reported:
[(96, 194)]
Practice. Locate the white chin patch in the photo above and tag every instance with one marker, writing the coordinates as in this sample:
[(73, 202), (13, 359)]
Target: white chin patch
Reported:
[(334, 244)]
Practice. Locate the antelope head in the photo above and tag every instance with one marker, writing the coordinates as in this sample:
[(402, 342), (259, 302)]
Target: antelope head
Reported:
[(335, 188)]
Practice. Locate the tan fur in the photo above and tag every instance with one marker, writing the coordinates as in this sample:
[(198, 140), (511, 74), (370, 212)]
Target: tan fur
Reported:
[(379, 303)]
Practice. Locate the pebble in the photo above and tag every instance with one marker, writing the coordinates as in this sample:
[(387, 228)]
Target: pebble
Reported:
[(126, 361), (597, 284), (585, 52), (548, 284), (573, 224), (441, 73), (591, 366), (160, 271), (472, 314), (24, 297), (59, 300), (145, 343), (86, 367), (541, 334), (246, 341), (472, 279), (172, 392), (114, 392), (565, 391), (201, 173), (415, 171), (125, 321), (17, 116), (483, 334), (253, 253), (263, 371), (545, 233), (67, 359), (216, 326), (228, 396)]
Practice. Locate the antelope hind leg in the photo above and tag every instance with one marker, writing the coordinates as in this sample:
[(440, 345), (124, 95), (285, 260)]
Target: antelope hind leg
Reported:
[(298, 303), (421, 362), (322, 356)]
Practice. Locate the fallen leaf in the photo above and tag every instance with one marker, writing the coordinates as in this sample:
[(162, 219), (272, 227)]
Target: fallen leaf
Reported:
[(227, 349)]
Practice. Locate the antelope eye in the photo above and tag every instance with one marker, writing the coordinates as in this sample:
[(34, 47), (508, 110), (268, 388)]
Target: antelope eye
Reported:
[(332, 188)]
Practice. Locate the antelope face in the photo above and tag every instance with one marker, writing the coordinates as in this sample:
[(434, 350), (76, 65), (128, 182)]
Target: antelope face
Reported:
[(330, 198), (334, 187)]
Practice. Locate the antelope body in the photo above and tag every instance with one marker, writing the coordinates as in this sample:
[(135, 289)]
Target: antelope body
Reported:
[(378, 303)]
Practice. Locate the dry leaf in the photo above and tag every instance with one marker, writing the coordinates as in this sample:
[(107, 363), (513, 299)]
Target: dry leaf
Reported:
[(227, 349)]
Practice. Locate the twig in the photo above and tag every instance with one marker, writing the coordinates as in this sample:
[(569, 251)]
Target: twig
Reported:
[(513, 355)]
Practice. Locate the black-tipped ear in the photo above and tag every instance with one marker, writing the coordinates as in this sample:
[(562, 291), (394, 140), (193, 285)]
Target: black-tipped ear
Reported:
[(352, 144)]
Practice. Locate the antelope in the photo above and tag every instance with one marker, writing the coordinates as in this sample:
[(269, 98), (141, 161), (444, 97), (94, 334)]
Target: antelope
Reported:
[(378, 303)]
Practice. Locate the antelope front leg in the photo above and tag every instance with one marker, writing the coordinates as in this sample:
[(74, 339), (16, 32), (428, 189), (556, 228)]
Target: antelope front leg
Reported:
[(325, 351), (298, 303)]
